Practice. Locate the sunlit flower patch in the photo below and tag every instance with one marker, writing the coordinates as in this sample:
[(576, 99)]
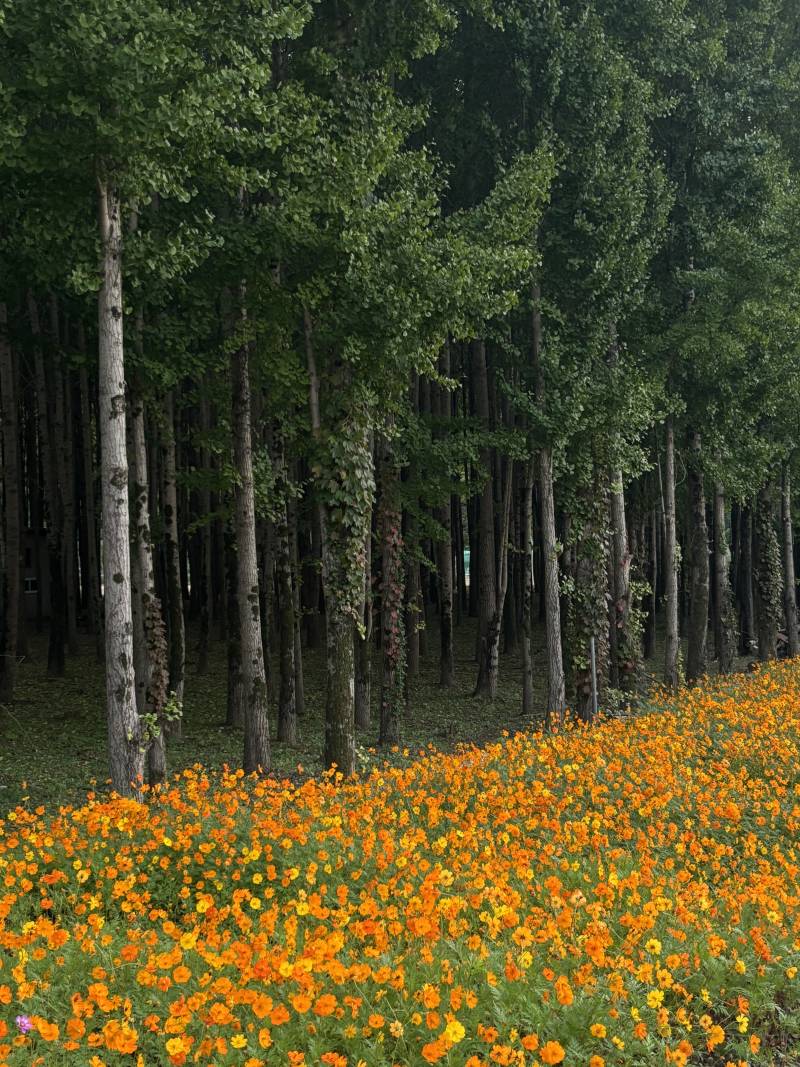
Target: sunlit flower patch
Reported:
[(627, 895)]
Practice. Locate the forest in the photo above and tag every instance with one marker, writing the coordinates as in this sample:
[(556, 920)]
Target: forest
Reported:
[(371, 330)]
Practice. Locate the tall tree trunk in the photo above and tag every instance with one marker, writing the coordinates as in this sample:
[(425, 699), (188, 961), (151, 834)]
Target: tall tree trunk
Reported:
[(487, 575), (152, 674), (653, 581), (789, 583), (444, 547), (124, 725), (556, 685), (13, 513), (724, 635), (696, 658), (527, 589), (768, 584), (299, 677), (393, 637), (256, 709), (70, 524), (363, 649), (52, 493), (92, 577), (745, 582), (207, 553), (672, 644), (235, 693), (623, 653), (175, 624), (287, 707)]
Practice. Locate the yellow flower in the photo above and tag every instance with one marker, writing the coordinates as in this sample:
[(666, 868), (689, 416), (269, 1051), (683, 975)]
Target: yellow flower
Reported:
[(239, 1041), (655, 998), (454, 1031), (653, 946), (597, 1030)]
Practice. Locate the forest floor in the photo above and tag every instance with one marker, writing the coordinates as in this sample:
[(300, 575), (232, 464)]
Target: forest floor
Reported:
[(53, 741)]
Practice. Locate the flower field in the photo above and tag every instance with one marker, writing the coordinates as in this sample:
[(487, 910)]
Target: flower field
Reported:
[(626, 895)]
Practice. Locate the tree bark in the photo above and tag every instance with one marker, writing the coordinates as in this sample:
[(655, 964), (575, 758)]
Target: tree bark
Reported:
[(207, 555), (671, 649), (745, 582), (699, 583), (363, 649), (556, 684), (299, 677), (150, 658), (768, 591), (256, 709), (175, 624), (444, 547), (623, 654), (287, 707), (789, 583), (527, 590), (235, 692), (124, 726), (487, 576), (653, 581), (13, 513), (724, 636), (393, 637)]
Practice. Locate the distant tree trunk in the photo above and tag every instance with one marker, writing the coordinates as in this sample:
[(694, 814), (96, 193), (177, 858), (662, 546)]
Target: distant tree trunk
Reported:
[(312, 584), (652, 579), (487, 576), (556, 685), (527, 591), (672, 644), (287, 707), (299, 677), (623, 654), (176, 629), (724, 629), (13, 512), (235, 694), (789, 584), (151, 657), (444, 548), (745, 582), (768, 576), (696, 659), (52, 493), (256, 708), (124, 725), (393, 637), (92, 577), (65, 418), (337, 569), (363, 649), (207, 552)]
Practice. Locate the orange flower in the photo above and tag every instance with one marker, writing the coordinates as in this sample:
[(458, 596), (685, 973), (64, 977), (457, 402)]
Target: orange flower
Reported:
[(551, 1053)]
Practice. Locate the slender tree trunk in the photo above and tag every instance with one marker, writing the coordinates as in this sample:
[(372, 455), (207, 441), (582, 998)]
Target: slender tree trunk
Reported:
[(789, 583), (444, 548), (340, 749), (256, 709), (527, 590), (207, 580), (92, 577), (487, 575), (70, 524), (746, 582), (768, 592), (124, 725), (363, 649), (653, 581), (624, 654), (287, 707), (235, 694), (52, 492), (696, 658), (176, 629), (556, 684), (299, 677), (152, 674), (11, 482), (670, 563), (393, 637), (724, 635)]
